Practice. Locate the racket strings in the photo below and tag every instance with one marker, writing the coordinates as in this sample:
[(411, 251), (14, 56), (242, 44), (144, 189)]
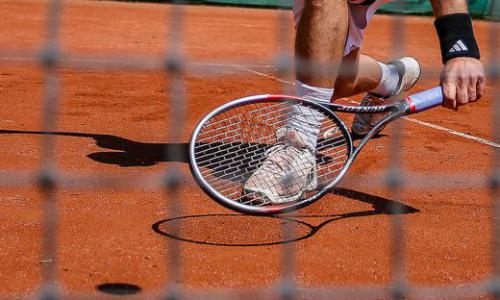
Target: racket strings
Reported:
[(234, 144), (264, 115)]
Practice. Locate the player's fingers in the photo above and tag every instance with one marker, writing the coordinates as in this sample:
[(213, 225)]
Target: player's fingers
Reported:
[(480, 87), (462, 95), (472, 90), (449, 93)]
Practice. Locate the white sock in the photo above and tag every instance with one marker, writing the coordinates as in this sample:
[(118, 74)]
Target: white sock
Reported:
[(389, 82), (314, 93), (308, 121)]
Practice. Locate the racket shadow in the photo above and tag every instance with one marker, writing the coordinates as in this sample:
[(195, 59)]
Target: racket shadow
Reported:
[(237, 230)]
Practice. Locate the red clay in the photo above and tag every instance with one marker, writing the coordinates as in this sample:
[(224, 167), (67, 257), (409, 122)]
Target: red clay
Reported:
[(106, 235)]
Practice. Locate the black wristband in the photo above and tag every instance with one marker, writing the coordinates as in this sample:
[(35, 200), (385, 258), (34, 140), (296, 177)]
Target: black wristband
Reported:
[(456, 36)]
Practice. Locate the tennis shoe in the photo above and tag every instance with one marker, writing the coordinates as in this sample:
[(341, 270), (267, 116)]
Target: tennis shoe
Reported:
[(409, 71), (288, 171)]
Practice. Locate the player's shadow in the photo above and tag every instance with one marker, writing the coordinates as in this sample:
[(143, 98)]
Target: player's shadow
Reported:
[(129, 153), (236, 230), (126, 153)]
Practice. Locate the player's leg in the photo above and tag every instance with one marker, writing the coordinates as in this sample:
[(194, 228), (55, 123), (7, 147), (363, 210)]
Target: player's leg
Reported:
[(289, 168), (331, 45), (331, 48), (358, 73), (322, 28), (361, 73), (397, 77), (329, 35), (321, 33), (384, 82)]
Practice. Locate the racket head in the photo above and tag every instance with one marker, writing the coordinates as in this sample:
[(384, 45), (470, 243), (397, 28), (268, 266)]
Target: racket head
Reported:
[(231, 142)]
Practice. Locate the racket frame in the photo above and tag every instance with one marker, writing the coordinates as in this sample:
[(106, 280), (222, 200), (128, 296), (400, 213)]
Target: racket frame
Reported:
[(412, 104), (271, 209)]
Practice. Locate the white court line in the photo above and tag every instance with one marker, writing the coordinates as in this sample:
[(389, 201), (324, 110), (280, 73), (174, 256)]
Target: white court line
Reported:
[(269, 76), (454, 132), (426, 124)]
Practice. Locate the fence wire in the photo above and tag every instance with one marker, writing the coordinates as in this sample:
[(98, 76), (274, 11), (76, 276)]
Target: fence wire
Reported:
[(49, 178)]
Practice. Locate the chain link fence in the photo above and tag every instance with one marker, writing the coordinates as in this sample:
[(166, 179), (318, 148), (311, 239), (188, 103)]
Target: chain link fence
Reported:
[(48, 178)]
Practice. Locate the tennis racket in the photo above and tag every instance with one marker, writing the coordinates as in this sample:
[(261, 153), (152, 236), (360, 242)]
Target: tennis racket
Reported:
[(239, 159)]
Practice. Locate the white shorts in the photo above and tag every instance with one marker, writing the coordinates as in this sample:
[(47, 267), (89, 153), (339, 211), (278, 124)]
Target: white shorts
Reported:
[(359, 16)]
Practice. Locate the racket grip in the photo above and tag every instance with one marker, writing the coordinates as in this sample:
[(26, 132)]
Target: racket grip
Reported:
[(425, 100)]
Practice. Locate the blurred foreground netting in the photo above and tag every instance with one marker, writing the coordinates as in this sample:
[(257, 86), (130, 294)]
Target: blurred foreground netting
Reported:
[(278, 231)]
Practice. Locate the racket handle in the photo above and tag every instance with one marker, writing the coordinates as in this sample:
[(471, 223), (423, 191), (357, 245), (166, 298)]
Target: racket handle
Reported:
[(425, 100)]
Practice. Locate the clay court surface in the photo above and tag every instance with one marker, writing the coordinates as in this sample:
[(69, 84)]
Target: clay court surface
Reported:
[(117, 122)]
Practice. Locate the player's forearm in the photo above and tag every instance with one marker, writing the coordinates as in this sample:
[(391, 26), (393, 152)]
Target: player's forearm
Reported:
[(462, 79), (454, 28), (448, 7)]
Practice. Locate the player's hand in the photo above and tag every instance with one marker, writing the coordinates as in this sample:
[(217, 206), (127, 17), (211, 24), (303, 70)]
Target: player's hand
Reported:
[(463, 81)]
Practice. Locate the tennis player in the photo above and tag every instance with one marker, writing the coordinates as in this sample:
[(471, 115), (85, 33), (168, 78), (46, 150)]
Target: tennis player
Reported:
[(329, 34)]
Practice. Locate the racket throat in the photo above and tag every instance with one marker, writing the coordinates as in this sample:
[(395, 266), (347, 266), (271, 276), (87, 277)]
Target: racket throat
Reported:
[(402, 108)]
